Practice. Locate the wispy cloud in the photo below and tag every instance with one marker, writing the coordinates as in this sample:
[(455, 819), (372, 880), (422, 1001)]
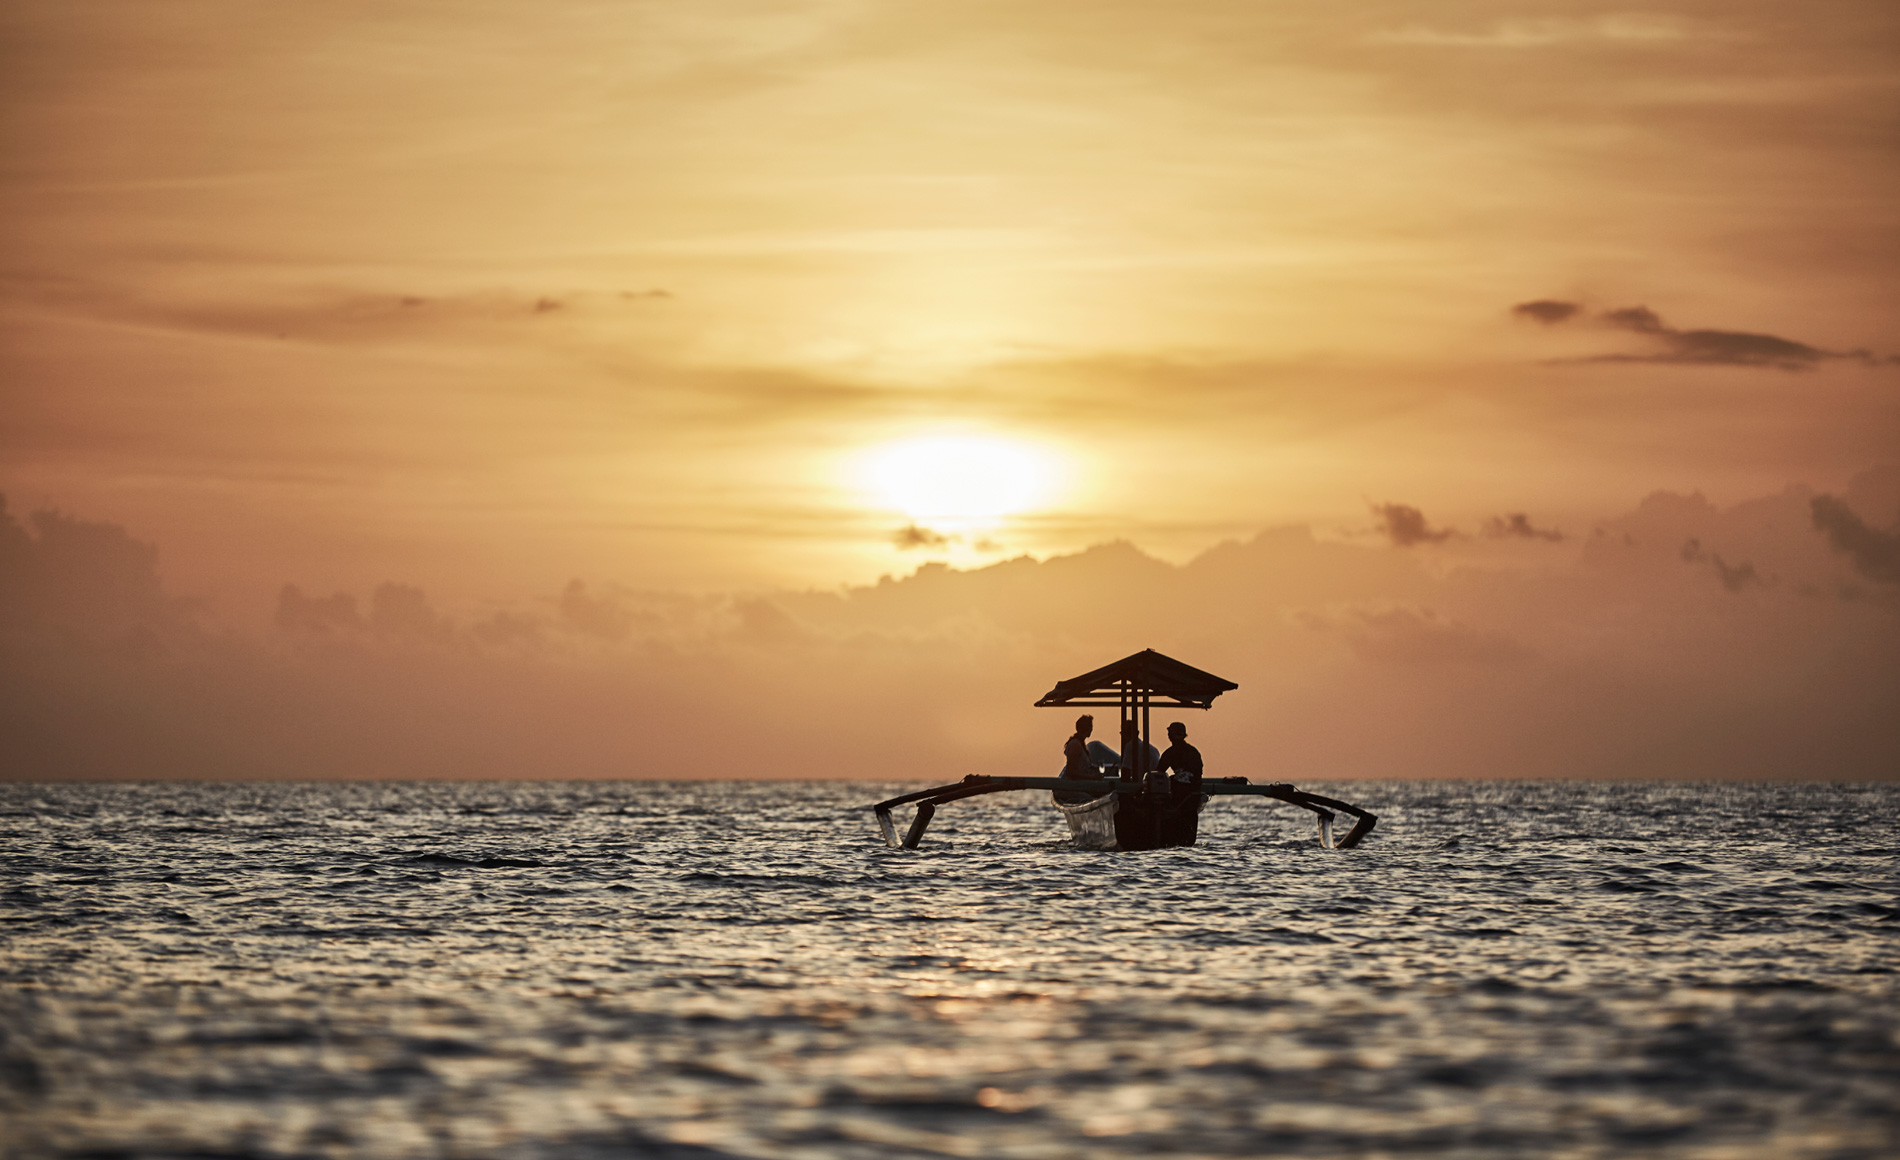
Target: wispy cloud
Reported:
[(1619, 28), (1547, 311), (1707, 347), (340, 315), (1725, 347)]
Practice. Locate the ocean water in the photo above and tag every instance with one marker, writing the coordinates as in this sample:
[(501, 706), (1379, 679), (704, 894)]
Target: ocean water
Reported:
[(745, 970)]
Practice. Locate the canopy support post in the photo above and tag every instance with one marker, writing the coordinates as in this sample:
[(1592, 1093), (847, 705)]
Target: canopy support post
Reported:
[(1141, 762), (1121, 736)]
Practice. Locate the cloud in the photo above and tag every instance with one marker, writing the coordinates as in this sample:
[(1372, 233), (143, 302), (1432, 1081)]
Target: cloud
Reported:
[(403, 610), (1518, 525), (299, 613), (1875, 554), (366, 314), (1734, 577), (1544, 33), (1640, 319), (506, 628), (75, 571), (400, 610), (1716, 347), (601, 617), (1547, 311), (1615, 662), (764, 622), (912, 536), (1735, 348), (1406, 526)]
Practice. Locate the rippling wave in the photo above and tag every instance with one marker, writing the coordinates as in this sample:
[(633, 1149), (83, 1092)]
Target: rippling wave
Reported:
[(745, 970)]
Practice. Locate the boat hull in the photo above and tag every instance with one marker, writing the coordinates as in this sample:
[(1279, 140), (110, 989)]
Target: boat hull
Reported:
[(1135, 821)]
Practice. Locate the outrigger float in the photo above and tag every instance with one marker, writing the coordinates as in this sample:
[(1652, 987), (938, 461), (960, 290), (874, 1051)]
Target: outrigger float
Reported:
[(1139, 808)]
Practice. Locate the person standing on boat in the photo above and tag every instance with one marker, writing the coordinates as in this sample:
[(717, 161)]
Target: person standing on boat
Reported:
[(1182, 762)]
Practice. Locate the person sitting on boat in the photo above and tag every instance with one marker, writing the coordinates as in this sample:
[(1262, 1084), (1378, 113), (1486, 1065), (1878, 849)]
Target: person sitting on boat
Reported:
[(1182, 762), (1075, 751), (1079, 760), (1091, 760), (1132, 744)]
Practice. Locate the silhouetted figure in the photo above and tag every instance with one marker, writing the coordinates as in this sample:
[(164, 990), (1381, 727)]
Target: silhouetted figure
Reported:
[(1182, 760), (1132, 746), (1078, 761), (1075, 751), (1082, 758)]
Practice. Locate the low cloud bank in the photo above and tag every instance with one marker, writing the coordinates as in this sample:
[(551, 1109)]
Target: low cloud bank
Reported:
[(1677, 640)]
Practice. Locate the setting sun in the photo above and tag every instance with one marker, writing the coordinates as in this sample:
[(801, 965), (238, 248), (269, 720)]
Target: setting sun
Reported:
[(958, 480)]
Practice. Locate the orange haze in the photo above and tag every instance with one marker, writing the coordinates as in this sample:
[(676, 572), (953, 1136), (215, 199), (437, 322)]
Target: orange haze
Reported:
[(1556, 352)]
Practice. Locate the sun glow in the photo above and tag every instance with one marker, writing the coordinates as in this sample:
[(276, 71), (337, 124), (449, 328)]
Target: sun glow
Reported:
[(959, 481)]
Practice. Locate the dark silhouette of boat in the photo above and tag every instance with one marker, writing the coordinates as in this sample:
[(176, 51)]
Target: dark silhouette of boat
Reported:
[(1139, 808)]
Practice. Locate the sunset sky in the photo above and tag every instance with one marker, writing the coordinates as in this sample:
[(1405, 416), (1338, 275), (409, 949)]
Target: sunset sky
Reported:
[(753, 298)]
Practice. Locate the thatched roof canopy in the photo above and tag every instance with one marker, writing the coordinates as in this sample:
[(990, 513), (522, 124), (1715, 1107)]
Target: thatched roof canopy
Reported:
[(1171, 684)]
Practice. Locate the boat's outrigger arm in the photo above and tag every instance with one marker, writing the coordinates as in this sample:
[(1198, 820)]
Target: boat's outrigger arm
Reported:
[(929, 799), (977, 784), (1363, 820)]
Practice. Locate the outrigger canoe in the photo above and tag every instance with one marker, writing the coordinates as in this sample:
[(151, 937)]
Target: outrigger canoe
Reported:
[(1139, 808)]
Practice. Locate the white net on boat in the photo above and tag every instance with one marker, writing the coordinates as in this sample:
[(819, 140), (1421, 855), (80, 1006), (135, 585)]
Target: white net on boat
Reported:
[(1092, 823)]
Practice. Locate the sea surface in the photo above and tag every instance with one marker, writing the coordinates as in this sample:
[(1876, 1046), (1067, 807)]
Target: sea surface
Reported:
[(731, 969)]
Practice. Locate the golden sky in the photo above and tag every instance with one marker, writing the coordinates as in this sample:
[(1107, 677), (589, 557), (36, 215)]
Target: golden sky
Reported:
[(487, 294), (752, 297)]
